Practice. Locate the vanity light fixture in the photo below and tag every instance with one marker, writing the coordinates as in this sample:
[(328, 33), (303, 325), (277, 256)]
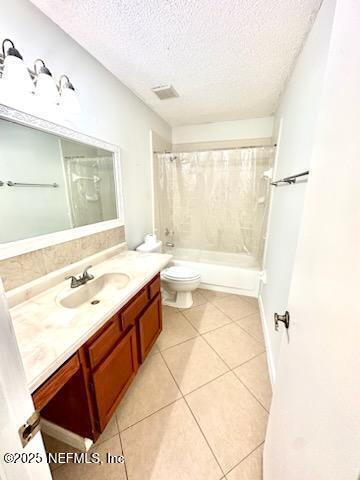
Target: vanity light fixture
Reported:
[(17, 80), (46, 87), (16, 77), (68, 98)]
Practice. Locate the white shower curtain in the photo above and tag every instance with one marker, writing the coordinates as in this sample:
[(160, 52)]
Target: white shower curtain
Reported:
[(214, 200)]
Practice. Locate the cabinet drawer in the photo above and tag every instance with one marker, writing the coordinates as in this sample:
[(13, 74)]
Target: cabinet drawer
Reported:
[(55, 383), (154, 287), (149, 327), (130, 313), (114, 375), (103, 344)]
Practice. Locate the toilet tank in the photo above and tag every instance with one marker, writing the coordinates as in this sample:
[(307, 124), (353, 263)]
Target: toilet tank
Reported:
[(150, 247)]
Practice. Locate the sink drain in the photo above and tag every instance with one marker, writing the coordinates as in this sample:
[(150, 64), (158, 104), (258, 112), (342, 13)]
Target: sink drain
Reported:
[(95, 302)]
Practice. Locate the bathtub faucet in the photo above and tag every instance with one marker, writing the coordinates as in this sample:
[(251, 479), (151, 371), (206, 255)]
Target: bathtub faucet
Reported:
[(170, 244)]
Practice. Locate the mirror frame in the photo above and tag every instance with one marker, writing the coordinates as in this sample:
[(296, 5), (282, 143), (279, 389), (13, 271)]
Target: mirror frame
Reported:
[(19, 247)]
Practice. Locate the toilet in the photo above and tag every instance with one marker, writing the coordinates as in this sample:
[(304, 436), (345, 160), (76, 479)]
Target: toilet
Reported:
[(177, 282)]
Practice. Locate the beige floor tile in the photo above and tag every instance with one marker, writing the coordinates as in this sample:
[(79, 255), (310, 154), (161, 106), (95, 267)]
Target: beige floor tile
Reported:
[(105, 471), (198, 299), (212, 294), (176, 329), (252, 300), (233, 344), (168, 445), (235, 306), (206, 317), (252, 324), (152, 389), (169, 311), (193, 364), (52, 445), (232, 421), (254, 374), (154, 349), (250, 468), (111, 429)]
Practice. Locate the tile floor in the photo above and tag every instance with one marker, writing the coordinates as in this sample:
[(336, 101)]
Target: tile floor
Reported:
[(198, 407)]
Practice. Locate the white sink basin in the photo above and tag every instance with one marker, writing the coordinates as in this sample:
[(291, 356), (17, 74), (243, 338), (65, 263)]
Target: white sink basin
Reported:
[(93, 291)]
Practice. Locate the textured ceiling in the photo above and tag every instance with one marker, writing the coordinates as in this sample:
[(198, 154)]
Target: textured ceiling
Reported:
[(227, 59)]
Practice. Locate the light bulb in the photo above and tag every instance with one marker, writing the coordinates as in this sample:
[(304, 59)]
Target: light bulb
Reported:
[(46, 88), (69, 101), (16, 77)]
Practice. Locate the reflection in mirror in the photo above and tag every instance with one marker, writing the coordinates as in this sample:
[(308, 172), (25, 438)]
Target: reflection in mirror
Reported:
[(50, 184)]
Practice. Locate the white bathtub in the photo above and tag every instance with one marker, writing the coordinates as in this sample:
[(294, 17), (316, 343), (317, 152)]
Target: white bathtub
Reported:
[(227, 272)]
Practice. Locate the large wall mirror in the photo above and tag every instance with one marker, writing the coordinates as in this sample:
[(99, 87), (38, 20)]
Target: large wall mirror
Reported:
[(50, 183)]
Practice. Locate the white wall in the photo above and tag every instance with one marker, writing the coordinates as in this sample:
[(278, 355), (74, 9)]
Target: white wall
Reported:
[(28, 212), (314, 425), (221, 131), (298, 113), (109, 110)]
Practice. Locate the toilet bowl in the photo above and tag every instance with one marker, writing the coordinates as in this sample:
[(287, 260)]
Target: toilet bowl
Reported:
[(179, 282)]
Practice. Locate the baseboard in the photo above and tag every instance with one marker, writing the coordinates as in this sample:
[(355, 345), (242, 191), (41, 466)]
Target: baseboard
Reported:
[(269, 354), (65, 436), (222, 288)]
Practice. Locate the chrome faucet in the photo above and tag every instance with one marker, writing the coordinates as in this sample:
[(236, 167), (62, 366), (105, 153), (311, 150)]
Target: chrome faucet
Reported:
[(84, 278)]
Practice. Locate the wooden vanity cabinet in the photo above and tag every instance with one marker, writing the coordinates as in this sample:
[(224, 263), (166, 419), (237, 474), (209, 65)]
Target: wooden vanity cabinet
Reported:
[(86, 390), (63, 399), (113, 377), (149, 326)]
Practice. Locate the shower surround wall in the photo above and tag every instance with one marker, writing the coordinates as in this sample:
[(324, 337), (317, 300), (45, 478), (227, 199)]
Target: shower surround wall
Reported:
[(212, 206)]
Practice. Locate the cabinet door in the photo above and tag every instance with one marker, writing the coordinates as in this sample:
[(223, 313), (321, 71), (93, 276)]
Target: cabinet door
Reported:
[(114, 375), (149, 327), (133, 309)]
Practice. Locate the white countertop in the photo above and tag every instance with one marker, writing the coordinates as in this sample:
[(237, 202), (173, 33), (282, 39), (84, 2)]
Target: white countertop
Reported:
[(48, 334)]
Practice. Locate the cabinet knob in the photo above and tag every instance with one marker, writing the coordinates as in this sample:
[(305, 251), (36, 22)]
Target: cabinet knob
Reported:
[(282, 318)]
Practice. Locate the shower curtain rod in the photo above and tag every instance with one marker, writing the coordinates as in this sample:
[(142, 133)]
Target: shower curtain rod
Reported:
[(212, 149)]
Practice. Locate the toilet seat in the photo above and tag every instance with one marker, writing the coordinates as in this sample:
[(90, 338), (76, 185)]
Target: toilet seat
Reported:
[(180, 274)]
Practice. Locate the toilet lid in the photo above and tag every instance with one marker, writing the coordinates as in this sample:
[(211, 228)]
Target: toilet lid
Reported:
[(180, 273)]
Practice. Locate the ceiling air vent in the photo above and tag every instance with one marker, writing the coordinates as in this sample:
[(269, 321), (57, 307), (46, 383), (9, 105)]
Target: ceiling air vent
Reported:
[(165, 91)]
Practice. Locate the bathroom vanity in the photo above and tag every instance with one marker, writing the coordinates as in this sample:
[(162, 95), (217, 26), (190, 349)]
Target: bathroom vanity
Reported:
[(84, 352), (83, 393)]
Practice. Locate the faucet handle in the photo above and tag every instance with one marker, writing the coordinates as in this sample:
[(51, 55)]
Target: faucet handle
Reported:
[(87, 275), (74, 281)]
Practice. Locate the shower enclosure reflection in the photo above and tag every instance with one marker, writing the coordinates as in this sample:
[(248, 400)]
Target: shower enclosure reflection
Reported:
[(50, 184)]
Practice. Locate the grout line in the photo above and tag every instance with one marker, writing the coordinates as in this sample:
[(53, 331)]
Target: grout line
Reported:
[(180, 343), (251, 335), (248, 455), (218, 309), (206, 440), (251, 393), (96, 444), (152, 413), (198, 333), (217, 328), (247, 315), (216, 352), (121, 445), (247, 361), (207, 383)]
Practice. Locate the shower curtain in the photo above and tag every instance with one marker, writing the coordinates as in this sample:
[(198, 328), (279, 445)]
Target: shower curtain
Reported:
[(214, 200)]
